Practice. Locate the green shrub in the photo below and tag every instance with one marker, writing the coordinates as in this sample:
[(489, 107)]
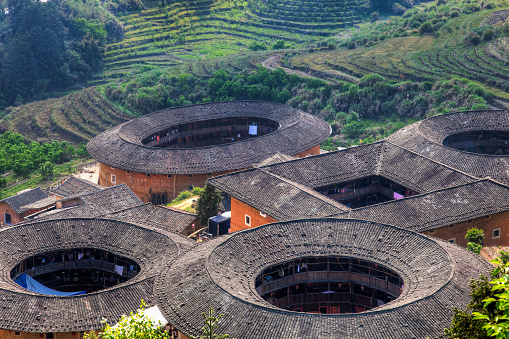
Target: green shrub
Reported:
[(257, 46), (488, 35), (426, 28), (280, 44)]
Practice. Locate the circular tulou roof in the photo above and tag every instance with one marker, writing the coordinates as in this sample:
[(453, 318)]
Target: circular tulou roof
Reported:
[(426, 137), (121, 146), (23, 310), (221, 274)]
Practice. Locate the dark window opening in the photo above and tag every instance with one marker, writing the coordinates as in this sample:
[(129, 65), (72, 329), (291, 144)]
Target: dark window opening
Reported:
[(7, 219)]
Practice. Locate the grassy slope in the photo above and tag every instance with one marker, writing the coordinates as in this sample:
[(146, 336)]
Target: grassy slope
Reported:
[(418, 57), (211, 29), (204, 29)]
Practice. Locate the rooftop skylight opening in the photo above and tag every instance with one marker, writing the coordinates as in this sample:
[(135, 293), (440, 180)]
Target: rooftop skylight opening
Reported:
[(328, 285), (73, 271)]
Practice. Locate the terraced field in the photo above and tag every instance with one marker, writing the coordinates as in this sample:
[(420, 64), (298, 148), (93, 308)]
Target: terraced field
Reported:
[(420, 57), (486, 63), (385, 58), (309, 14), (204, 29), (75, 118)]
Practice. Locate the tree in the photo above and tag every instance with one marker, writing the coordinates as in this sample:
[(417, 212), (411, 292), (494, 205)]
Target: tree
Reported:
[(475, 238), (488, 34), (138, 325), (135, 325), (208, 203), (47, 170), (494, 315), (210, 327), (486, 314), (375, 16)]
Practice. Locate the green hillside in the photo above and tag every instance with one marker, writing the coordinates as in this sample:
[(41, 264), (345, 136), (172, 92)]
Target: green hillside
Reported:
[(169, 53)]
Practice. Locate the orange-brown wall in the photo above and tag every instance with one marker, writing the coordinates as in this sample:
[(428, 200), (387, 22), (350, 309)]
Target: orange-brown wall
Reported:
[(239, 212), (15, 217), (312, 151), (182, 336), (143, 186), (5, 334), (488, 224)]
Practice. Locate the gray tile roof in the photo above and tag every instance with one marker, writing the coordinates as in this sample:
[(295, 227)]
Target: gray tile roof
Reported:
[(73, 187), (440, 208), (418, 172), (276, 158), (285, 191), (166, 218), (16, 202), (220, 274), (109, 200), (275, 196), (333, 167), (426, 138), (170, 219), (132, 214), (121, 146), (46, 202), (22, 310)]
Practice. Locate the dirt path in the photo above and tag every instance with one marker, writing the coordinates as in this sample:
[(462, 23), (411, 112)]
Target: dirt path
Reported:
[(186, 203), (90, 173), (274, 62)]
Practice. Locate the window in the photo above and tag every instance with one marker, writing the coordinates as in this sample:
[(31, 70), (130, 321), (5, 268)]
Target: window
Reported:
[(148, 175), (495, 234), (7, 219), (49, 336), (488, 216), (113, 179), (190, 188), (190, 175), (248, 220), (169, 175), (128, 172), (17, 333), (263, 215), (468, 222), (452, 241)]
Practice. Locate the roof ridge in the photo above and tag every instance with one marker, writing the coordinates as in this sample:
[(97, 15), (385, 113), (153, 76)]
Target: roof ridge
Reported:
[(113, 187), (380, 158), (422, 194), (317, 155), (309, 191), (434, 161), (23, 193), (122, 210)]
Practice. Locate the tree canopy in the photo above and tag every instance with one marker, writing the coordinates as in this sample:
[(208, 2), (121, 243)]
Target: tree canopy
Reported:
[(486, 315), (208, 203), (22, 157), (49, 45)]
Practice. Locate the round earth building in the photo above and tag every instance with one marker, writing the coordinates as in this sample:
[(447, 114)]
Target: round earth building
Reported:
[(169, 151), (320, 278)]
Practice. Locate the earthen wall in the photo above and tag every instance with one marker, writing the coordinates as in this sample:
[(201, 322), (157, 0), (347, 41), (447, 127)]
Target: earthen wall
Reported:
[(239, 212), (145, 185), (490, 224)]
